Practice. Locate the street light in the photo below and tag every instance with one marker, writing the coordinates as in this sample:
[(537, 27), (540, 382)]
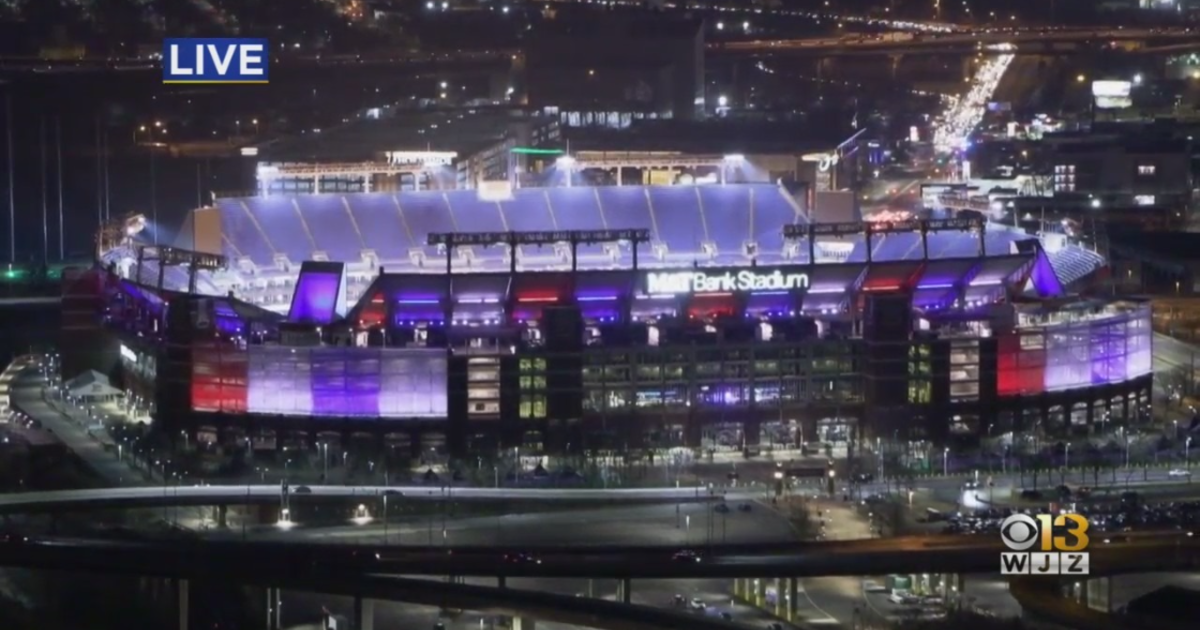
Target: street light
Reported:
[(946, 462), (325, 461)]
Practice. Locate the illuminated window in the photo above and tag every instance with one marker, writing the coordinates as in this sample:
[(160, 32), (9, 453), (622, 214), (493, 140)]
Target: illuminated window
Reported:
[(1147, 170), (1064, 178)]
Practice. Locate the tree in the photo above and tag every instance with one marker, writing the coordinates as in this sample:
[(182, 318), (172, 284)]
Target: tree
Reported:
[(895, 469), (1035, 462), (800, 518)]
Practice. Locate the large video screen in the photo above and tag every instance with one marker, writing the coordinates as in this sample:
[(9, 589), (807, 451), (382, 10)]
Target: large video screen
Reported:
[(350, 382), (1112, 94)]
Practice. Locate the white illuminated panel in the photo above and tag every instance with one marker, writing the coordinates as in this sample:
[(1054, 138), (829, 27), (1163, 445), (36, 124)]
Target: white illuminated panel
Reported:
[(425, 158)]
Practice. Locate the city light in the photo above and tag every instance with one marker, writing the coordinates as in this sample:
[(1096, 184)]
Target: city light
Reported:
[(953, 129)]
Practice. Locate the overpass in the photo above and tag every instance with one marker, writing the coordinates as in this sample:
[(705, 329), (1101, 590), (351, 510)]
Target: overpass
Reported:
[(184, 558), (1024, 41), (185, 568), (364, 573), (180, 496)]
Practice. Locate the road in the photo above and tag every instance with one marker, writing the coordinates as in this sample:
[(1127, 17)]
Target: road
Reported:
[(642, 525), (999, 37), (824, 602)]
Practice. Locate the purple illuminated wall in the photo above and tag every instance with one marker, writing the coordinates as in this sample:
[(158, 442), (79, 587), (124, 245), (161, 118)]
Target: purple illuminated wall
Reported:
[(316, 298), (354, 382), (1109, 349)]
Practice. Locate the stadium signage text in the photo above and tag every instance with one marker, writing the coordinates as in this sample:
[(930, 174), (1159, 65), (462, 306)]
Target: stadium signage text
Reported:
[(214, 60), (691, 282), (424, 158), (825, 161)]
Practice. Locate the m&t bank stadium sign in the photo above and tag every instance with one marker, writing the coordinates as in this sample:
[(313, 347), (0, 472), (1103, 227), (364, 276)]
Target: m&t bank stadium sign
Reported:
[(691, 282)]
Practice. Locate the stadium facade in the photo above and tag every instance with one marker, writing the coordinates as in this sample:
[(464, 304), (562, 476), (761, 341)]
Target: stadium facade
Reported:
[(605, 319)]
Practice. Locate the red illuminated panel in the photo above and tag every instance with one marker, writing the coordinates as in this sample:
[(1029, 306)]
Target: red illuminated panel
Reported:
[(219, 378), (1019, 372), (1008, 375), (714, 305), (373, 312)]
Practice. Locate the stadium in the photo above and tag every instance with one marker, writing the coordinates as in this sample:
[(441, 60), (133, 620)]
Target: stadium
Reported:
[(606, 319)]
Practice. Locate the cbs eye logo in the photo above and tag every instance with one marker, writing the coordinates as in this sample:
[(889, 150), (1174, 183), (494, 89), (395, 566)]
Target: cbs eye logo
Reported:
[(1021, 532)]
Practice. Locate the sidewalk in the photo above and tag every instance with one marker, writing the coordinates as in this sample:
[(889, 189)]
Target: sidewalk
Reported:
[(27, 396)]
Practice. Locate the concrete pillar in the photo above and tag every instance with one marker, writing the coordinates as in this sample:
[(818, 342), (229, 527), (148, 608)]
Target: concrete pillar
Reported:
[(591, 589), (523, 623), (624, 591), (364, 613), (272, 608), (780, 593), (181, 603), (1099, 594), (793, 600), (278, 609), (957, 589), (222, 516), (502, 582), (738, 589), (760, 592)]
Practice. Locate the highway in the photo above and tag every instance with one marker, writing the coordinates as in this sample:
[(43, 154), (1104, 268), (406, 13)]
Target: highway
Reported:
[(148, 496), (967, 40), (362, 569), (617, 527), (913, 554)]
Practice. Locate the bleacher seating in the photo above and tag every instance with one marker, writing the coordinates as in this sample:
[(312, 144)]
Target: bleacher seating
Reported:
[(896, 246), (240, 228), (684, 218), (1072, 263), (382, 226), (393, 224)]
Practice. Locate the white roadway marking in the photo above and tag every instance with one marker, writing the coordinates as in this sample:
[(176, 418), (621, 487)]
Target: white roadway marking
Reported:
[(829, 619)]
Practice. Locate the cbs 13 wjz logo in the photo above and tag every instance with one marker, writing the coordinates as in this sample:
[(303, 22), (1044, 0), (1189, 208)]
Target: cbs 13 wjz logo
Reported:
[(214, 60), (1036, 549)]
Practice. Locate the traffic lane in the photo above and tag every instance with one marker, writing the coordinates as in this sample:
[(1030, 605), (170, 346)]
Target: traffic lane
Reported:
[(237, 494), (680, 525), (307, 609), (989, 595), (950, 488), (1173, 351), (1126, 588), (714, 594)]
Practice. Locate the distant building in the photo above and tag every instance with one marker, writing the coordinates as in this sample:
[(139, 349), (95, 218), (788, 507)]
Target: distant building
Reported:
[(404, 150), (611, 70), (1127, 167)]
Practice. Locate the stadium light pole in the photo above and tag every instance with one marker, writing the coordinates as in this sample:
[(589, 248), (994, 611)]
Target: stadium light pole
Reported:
[(153, 182), (45, 206), (62, 251), (12, 185)]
